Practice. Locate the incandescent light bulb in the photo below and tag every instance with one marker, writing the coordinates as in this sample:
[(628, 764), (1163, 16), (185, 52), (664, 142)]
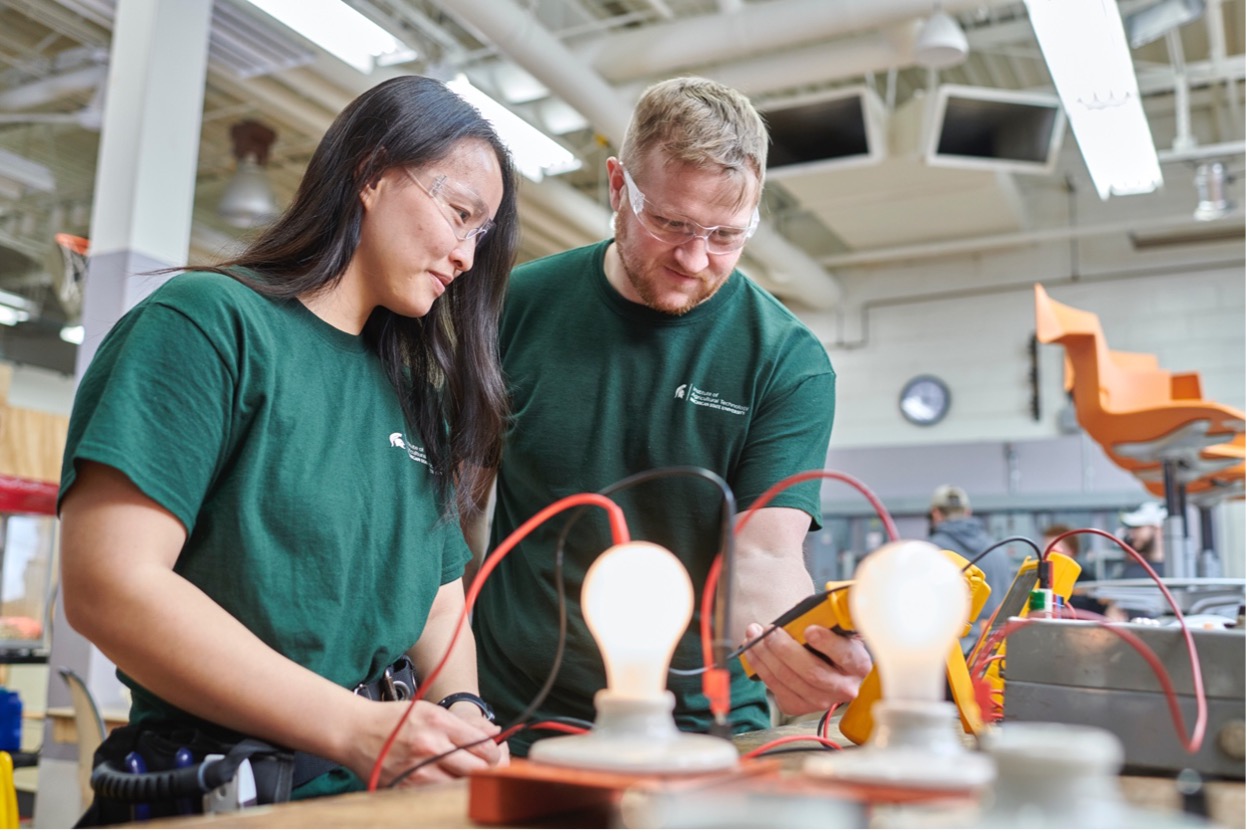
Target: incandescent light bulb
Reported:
[(637, 600), (910, 604)]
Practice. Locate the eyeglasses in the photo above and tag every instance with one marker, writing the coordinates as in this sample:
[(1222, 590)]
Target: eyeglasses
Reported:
[(463, 211), (720, 240)]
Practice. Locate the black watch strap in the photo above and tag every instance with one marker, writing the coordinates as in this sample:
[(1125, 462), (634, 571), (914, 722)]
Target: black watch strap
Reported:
[(475, 700)]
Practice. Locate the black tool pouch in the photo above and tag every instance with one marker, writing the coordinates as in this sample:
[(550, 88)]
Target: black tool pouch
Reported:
[(168, 789)]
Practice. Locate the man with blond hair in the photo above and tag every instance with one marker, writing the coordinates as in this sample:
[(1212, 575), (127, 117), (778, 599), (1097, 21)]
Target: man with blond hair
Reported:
[(650, 350)]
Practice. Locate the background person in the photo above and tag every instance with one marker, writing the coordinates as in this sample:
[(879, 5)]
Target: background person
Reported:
[(951, 526), (257, 497), (1143, 534), (650, 350), (1081, 599)]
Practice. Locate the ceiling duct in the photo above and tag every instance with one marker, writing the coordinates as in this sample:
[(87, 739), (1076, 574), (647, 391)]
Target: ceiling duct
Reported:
[(826, 132), (975, 127)]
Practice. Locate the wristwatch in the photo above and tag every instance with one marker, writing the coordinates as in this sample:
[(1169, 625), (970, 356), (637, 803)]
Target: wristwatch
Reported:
[(475, 700)]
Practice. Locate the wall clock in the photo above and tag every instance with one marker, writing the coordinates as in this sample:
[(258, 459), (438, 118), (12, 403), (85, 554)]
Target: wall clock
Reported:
[(924, 400)]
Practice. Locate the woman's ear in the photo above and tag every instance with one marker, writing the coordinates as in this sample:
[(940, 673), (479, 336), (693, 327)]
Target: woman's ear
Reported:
[(369, 192)]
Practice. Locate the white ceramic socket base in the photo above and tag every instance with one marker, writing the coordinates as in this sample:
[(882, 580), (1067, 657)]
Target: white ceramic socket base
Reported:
[(913, 744), (636, 735)]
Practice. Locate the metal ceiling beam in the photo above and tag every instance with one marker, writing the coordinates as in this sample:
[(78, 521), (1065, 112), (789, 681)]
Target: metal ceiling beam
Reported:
[(791, 273)]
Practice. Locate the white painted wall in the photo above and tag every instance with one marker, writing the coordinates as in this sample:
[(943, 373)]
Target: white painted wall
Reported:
[(970, 321), (41, 390)]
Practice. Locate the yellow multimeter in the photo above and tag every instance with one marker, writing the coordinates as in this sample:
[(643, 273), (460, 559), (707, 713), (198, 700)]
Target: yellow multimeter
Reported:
[(857, 723), (1064, 573), (829, 608)]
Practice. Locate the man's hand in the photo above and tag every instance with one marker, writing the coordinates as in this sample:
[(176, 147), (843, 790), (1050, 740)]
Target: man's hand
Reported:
[(802, 682)]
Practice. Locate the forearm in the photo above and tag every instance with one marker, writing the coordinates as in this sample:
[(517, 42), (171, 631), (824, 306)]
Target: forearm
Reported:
[(768, 585), (770, 575), (459, 673), (183, 647)]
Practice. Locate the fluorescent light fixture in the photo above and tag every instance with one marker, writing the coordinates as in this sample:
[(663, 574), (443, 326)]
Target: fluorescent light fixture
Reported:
[(9, 316), (533, 152), (14, 309), (1087, 53), (340, 30), (72, 333)]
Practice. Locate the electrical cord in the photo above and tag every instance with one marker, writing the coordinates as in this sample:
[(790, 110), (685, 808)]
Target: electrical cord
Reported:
[(716, 660), (518, 724), (764, 749), (620, 535), (1191, 742), (891, 530), (996, 545)]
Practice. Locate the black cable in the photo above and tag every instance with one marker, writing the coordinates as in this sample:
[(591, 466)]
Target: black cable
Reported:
[(729, 511), (994, 547), (738, 652), (547, 685), (722, 645)]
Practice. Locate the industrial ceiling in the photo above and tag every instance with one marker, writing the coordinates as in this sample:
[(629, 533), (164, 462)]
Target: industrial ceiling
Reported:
[(878, 190)]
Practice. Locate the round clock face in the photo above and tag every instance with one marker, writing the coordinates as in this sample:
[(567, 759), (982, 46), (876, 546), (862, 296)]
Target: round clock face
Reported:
[(924, 400)]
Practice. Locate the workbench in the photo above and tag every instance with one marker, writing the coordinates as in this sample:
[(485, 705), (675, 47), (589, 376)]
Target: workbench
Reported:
[(447, 805)]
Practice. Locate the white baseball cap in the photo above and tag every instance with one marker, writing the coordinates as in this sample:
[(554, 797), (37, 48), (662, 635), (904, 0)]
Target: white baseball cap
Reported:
[(1149, 514)]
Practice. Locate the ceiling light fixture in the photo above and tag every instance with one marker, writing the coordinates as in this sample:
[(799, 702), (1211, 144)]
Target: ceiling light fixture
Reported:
[(1212, 201), (1085, 47), (940, 43), (1152, 22), (340, 30), (15, 309), (535, 154), (248, 199)]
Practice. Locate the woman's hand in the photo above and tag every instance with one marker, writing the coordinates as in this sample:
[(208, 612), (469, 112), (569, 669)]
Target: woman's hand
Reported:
[(428, 731)]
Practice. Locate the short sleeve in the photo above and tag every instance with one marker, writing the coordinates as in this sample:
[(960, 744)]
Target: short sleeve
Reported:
[(155, 404), (789, 435)]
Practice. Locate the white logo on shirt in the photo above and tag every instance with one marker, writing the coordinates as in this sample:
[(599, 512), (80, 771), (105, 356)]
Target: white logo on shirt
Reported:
[(416, 453), (710, 399), (680, 394)]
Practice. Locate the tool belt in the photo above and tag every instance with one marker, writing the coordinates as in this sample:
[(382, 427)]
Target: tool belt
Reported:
[(194, 767)]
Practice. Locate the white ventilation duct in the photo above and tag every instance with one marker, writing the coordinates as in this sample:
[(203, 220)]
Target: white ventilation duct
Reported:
[(662, 48), (518, 35)]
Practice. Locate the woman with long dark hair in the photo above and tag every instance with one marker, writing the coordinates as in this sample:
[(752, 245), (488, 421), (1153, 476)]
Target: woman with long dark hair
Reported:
[(268, 458)]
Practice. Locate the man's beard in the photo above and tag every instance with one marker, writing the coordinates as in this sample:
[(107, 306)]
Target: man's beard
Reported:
[(634, 274)]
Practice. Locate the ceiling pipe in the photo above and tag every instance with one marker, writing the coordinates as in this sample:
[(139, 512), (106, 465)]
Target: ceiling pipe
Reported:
[(518, 35), (1216, 33), (663, 48), (985, 243), (53, 87)]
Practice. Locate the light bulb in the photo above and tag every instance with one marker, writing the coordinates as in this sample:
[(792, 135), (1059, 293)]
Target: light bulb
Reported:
[(637, 638), (637, 599), (910, 603)]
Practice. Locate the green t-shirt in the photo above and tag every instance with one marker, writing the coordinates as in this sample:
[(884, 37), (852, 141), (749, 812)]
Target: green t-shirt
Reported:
[(280, 445), (601, 389)]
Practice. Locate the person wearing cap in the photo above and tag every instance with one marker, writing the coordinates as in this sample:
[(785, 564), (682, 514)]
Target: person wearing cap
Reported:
[(1144, 535), (952, 527)]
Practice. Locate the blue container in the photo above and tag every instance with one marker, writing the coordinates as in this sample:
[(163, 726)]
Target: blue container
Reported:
[(10, 720)]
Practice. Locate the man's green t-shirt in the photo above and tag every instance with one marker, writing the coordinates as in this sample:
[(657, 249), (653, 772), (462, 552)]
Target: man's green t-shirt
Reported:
[(601, 389), (280, 445)]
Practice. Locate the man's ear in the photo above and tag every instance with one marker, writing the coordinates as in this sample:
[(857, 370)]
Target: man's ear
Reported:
[(615, 183)]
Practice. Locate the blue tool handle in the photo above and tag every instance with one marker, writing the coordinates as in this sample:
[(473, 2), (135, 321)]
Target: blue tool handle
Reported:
[(184, 758), (135, 764)]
